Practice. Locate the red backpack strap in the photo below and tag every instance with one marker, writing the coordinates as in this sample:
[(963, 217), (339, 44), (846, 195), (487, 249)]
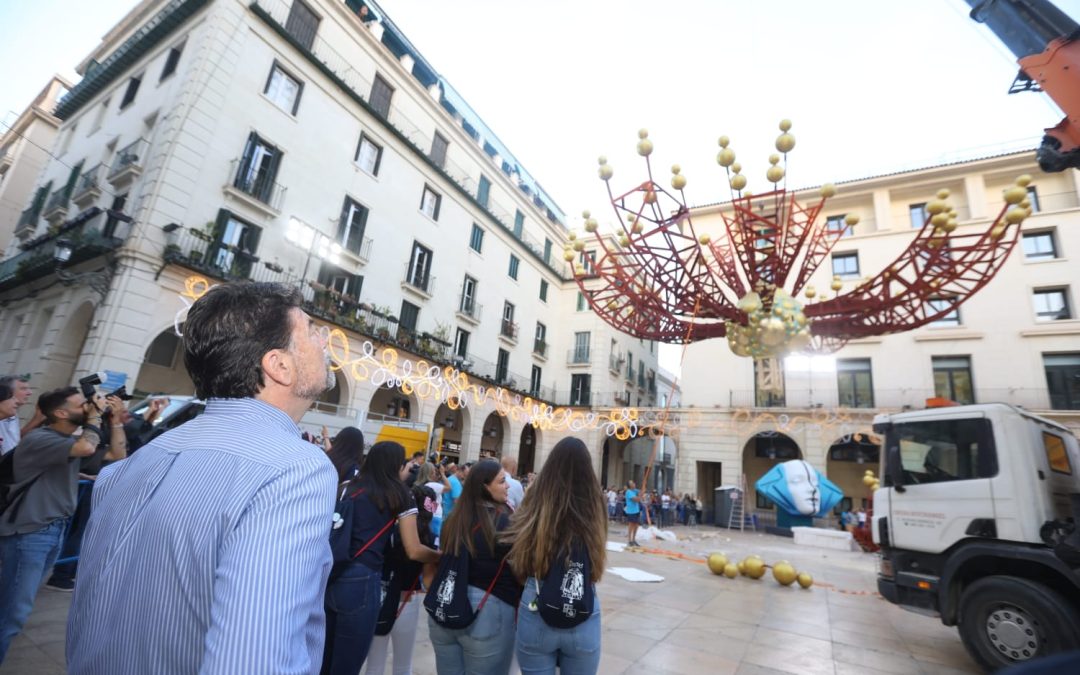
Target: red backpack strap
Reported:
[(408, 595), (374, 539), (494, 579)]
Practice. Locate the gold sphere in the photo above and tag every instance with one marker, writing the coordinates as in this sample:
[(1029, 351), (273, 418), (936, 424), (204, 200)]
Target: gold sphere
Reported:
[(591, 225), (725, 157), (644, 147), (571, 235), (943, 193), (805, 580), (868, 480), (935, 206), (785, 143), (704, 239), (810, 292), (997, 232), (1014, 195), (755, 567), (869, 472), (643, 133), (717, 562), (675, 168), (579, 269), (736, 167), (950, 225), (741, 566), (1015, 215), (785, 125), (836, 284), (784, 573), (738, 182), (568, 256), (1026, 204), (731, 570), (585, 213), (1023, 180), (939, 219), (605, 172), (828, 190), (774, 159), (637, 227), (723, 141), (851, 219), (678, 181), (650, 197), (775, 174), (579, 245)]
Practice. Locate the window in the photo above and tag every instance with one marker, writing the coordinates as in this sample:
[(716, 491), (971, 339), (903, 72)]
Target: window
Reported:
[(439, 146), (837, 225), (381, 93), (581, 347), (117, 206), (540, 343), (1063, 380), (468, 296), (855, 383), (483, 191), (547, 250), (131, 91), (502, 366), (283, 89), (951, 318), (171, 61), (543, 290), (581, 304), (66, 143), (1033, 197), (1040, 245), (508, 328), (408, 318), (337, 279), (461, 344), (476, 239), (99, 117), (1052, 304), (233, 250), (519, 223), (430, 202), (579, 389), (762, 502), (419, 266), (952, 378), (302, 24), (514, 263), (641, 374), (942, 451), (917, 213), (258, 169), (845, 265), (162, 351), (534, 382), (1056, 454), (368, 154), (588, 261), (351, 227)]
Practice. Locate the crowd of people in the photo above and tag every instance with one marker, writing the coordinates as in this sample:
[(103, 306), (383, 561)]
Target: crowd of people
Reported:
[(231, 544), (664, 508)]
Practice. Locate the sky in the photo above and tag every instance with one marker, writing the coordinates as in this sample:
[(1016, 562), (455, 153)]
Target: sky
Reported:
[(870, 86)]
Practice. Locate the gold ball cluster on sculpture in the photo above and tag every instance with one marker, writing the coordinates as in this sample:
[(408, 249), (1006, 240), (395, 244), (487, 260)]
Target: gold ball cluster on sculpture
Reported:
[(772, 330)]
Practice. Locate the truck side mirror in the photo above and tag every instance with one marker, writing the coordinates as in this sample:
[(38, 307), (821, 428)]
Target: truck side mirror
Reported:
[(894, 466)]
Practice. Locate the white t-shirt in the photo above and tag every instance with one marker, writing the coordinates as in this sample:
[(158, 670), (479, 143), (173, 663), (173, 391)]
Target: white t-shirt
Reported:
[(612, 497), (665, 502), (438, 488), (9, 434)]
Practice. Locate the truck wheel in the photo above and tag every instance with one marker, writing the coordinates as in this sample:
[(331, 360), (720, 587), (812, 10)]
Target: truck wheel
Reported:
[(1006, 620)]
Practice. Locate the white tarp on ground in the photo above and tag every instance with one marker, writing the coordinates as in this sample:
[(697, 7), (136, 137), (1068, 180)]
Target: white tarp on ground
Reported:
[(634, 574), (834, 539), (616, 546), (647, 533)]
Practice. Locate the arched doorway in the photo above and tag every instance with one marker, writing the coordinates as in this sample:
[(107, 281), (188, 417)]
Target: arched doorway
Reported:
[(848, 460), (761, 453), (491, 438), (448, 431), (527, 450), (65, 352), (336, 399), (605, 459), (162, 370), (393, 404)]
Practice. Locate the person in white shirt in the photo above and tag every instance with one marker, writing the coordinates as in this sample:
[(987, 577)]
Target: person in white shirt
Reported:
[(516, 492), (10, 431), (612, 497)]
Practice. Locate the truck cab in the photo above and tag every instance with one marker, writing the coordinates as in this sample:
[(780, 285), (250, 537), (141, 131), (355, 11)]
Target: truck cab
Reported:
[(974, 505)]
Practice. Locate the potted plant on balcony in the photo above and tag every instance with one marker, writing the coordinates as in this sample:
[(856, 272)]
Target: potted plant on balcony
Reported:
[(206, 234), (172, 253)]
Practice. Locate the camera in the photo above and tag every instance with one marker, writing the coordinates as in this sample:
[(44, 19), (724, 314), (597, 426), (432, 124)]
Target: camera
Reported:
[(121, 393), (86, 384)]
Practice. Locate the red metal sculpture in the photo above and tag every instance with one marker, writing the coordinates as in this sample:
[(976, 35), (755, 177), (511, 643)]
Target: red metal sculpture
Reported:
[(659, 279)]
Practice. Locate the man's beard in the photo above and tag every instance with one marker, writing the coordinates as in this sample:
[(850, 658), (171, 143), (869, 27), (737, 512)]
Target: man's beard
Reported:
[(77, 418), (313, 390)]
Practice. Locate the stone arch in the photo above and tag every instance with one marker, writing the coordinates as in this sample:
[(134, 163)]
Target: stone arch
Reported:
[(529, 441), (393, 403), (162, 370), (493, 433), (68, 346), (450, 429), (848, 459), (762, 452)]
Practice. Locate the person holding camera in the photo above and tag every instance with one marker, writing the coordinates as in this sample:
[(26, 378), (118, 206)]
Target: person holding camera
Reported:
[(42, 497)]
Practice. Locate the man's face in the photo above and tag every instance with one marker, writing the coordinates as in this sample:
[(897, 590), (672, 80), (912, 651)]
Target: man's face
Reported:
[(73, 410), (308, 347), (22, 392)]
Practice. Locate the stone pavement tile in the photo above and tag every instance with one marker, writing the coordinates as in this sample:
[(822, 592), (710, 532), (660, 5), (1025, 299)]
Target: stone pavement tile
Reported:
[(791, 642), (880, 629), (624, 644), (751, 669), (875, 642), (708, 641), (29, 658), (646, 616), (687, 601), (938, 669), (819, 630), (852, 669), (788, 661), (942, 652), (676, 659), (613, 665), (734, 608), (869, 658), (722, 627)]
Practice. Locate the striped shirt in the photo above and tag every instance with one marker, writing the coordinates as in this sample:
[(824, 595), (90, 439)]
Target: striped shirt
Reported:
[(207, 551)]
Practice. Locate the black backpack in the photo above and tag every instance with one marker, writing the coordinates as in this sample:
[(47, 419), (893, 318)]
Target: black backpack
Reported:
[(567, 597), (341, 530), (11, 495), (447, 601)]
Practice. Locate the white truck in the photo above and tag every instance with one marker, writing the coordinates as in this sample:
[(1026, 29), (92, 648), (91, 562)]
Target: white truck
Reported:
[(975, 519)]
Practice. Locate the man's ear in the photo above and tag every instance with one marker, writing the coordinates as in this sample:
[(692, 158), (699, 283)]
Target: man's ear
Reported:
[(279, 367)]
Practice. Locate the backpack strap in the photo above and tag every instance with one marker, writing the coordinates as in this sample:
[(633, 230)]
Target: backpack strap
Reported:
[(491, 585), (408, 595), (374, 539)]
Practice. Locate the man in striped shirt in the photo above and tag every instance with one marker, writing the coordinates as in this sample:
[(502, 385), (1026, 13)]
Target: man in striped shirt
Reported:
[(208, 551)]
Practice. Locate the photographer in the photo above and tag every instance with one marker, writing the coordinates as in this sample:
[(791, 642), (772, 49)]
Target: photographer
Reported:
[(45, 466)]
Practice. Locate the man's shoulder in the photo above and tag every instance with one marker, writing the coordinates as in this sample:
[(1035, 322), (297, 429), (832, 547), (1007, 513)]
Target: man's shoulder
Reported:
[(266, 445)]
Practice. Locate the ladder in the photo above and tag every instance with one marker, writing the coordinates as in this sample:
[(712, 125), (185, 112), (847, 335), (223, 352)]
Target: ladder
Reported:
[(738, 513)]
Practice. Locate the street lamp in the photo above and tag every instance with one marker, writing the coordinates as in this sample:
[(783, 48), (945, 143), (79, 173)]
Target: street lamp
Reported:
[(97, 280)]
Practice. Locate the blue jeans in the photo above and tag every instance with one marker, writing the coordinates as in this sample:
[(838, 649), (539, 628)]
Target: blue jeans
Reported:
[(24, 560), (485, 647), (65, 571), (540, 648), (352, 607)]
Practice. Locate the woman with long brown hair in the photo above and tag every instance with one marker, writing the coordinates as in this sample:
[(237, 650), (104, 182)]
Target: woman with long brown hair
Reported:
[(559, 542)]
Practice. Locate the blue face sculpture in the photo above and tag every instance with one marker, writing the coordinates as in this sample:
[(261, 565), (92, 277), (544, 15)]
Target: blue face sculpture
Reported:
[(799, 489)]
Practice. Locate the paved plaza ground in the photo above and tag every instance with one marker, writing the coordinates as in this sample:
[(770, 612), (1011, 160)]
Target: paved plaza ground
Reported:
[(693, 622)]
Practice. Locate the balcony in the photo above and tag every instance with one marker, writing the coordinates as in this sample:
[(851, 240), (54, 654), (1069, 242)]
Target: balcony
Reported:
[(578, 356), (256, 188), (418, 281), (540, 349), (27, 223), (508, 331), (469, 310), (201, 252), (92, 233), (56, 207), (88, 188), (615, 363), (129, 164)]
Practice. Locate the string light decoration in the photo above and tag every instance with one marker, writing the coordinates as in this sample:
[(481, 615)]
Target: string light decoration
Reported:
[(659, 278)]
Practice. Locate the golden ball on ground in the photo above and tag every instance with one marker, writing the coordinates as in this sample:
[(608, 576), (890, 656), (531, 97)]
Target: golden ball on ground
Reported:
[(755, 567), (784, 573), (731, 570), (741, 567), (805, 580), (717, 562)]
